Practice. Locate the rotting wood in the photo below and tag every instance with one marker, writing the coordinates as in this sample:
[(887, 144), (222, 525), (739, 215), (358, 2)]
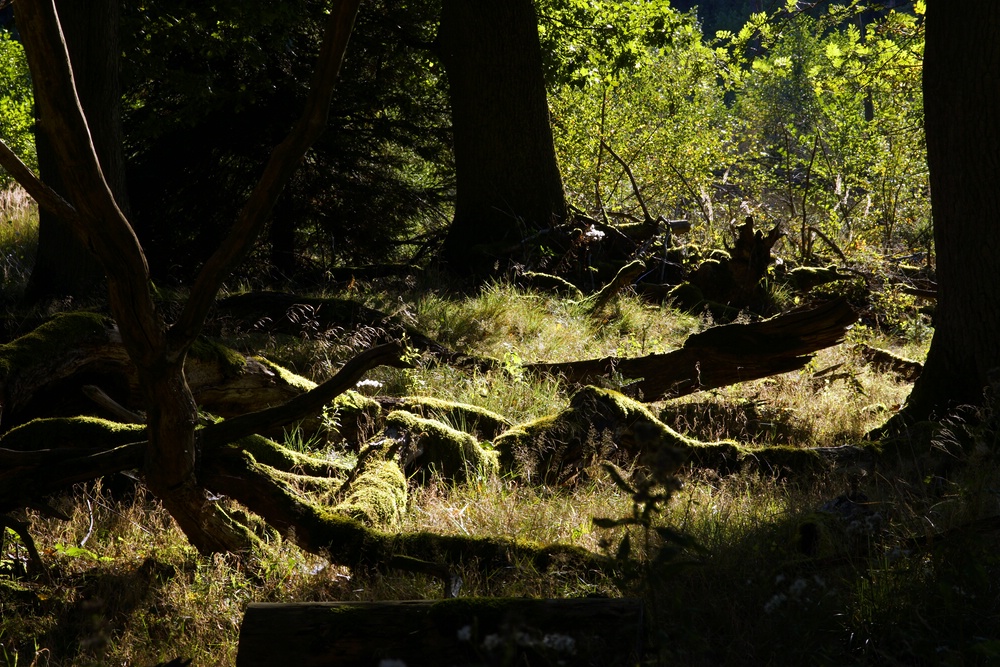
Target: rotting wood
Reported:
[(720, 356), (575, 632)]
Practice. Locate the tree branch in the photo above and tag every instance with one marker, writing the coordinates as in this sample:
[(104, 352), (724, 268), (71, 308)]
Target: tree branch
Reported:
[(311, 402), (283, 162), (46, 197)]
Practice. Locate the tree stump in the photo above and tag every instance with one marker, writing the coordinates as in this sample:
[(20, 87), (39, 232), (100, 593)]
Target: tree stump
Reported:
[(468, 631)]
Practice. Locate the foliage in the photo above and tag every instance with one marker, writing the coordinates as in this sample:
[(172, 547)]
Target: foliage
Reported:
[(808, 119), (17, 115), (210, 89)]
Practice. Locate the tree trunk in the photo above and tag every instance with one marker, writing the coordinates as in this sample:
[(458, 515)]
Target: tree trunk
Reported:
[(98, 223), (508, 182), (961, 103), (63, 267)]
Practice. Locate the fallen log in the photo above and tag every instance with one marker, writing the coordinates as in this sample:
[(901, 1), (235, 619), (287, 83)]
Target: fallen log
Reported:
[(719, 356), (462, 632)]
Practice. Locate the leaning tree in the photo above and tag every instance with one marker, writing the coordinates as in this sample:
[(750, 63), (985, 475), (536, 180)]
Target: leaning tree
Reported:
[(88, 206)]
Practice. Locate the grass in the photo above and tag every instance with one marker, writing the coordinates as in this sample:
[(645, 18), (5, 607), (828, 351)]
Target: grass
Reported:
[(18, 241), (784, 574)]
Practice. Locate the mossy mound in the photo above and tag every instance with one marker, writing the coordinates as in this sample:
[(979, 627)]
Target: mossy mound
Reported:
[(430, 446), (377, 495), (599, 425)]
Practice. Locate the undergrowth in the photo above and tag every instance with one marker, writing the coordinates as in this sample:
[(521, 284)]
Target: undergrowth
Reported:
[(855, 567)]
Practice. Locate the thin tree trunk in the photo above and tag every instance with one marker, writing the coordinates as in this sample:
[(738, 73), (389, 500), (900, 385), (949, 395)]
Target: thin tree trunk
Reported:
[(63, 267)]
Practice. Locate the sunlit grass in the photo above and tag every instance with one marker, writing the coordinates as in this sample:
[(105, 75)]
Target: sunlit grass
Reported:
[(126, 587), (18, 240)]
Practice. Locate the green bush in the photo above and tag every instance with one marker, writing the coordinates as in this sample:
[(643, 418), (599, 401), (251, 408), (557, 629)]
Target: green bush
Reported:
[(16, 105)]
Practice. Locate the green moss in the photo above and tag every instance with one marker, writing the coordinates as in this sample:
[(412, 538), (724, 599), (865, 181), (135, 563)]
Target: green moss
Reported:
[(230, 362), (288, 377), (462, 416), (377, 496), (78, 432), (272, 454), (434, 446), (599, 425), (804, 278), (51, 341), (355, 416)]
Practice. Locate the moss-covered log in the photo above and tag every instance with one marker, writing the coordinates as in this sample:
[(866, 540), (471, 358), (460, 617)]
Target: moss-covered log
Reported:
[(347, 541), (720, 356), (428, 446), (599, 425), (572, 632)]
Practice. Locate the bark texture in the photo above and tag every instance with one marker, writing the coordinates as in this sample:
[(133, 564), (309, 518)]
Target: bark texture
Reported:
[(508, 182), (63, 267), (962, 119)]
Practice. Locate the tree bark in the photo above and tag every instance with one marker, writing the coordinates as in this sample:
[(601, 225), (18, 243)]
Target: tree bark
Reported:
[(721, 355), (63, 267), (962, 120), (508, 182)]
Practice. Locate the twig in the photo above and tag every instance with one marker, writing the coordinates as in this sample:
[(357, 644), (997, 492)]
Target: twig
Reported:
[(635, 186)]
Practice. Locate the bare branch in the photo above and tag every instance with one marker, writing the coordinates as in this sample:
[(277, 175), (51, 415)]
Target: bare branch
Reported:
[(311, 402), (284, 161), (46, 197)]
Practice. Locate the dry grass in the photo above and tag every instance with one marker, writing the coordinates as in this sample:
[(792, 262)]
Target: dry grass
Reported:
[(18, 240), (127, 590)]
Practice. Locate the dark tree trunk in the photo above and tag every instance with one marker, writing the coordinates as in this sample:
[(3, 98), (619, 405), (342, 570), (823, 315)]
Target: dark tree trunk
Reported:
[(508, 182), (63, 267), (961, 103)]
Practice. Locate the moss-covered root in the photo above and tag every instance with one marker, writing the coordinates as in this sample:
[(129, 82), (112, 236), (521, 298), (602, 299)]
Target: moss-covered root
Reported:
[(71, 433), (599, 425), (281, 458), (471, 419), (347, 541), (430, 446), (377, 495)]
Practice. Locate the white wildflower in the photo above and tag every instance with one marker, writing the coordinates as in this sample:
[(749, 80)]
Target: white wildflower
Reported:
[(559, 643), (465, 634)]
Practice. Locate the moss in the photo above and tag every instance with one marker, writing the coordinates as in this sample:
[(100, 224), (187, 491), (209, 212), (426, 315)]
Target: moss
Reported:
[(433, 446), (230, 362), (599, 424), (804, 278), (288, 377), (468, 418), (78, 432), (549, 283), (272, 454), (377, 496), (355, 416), (51, 340)]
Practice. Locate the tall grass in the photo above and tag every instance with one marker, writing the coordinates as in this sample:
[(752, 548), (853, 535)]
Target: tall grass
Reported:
[(780, 577), (18, 240)]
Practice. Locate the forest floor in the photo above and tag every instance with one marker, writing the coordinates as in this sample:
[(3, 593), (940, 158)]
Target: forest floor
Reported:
[(894, 564)]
